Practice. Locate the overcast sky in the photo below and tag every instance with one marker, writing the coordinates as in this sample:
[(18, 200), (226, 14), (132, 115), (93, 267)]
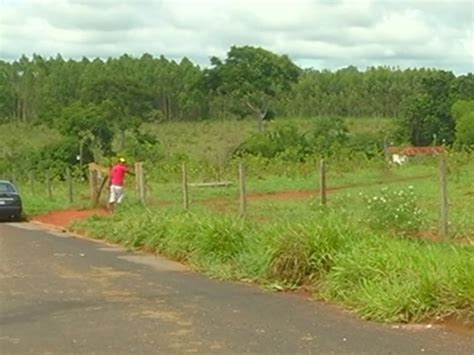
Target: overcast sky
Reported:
[(314, 33)]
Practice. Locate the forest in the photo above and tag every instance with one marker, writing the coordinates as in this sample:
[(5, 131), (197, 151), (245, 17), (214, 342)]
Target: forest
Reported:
[(249, 81)]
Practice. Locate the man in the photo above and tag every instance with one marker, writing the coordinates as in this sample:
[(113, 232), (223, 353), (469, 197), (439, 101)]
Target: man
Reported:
[(117, 179)]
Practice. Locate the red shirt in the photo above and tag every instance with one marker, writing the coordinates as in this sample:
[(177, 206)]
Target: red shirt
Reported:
[(117, 175)]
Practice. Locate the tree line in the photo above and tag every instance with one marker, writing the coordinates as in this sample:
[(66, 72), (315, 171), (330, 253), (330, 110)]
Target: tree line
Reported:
[(97, 98)]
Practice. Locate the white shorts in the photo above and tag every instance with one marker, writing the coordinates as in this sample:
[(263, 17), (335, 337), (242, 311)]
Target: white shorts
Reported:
[(116, 194)]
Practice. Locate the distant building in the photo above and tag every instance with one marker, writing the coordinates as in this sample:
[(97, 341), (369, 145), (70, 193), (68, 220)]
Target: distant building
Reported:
[(400, 155)]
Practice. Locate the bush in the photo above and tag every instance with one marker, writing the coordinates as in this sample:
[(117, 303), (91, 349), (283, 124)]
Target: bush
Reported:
[(56, 157), (302, 253), (274, 142), (367, 143), (287, 141), (143, 146), (394, 210), (465, 130)]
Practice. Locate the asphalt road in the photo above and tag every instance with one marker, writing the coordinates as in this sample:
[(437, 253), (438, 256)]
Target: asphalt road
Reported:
[(61, 294)]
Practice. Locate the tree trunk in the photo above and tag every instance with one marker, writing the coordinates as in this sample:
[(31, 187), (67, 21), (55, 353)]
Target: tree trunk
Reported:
[(261, 115)]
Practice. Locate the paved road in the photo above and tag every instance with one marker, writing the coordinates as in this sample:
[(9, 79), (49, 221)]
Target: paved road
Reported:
[(60, 294)]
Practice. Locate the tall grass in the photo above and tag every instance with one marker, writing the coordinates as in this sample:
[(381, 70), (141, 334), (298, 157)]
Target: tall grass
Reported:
[(403, 280)]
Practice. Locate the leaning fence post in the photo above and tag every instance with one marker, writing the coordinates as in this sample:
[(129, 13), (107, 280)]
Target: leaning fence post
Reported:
[(93, 179), (185, 187), (69, 184), (322, 187), (444, 198), (243, 191)]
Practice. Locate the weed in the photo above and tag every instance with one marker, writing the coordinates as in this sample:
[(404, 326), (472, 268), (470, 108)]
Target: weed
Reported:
[(394, 210)]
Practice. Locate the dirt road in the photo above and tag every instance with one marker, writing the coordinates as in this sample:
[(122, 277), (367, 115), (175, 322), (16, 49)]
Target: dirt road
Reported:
[(60, 294)]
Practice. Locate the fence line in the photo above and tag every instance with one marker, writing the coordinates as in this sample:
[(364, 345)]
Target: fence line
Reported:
[(243, 191), (322, 184), (444, 198), (185, 187), (242, 187)]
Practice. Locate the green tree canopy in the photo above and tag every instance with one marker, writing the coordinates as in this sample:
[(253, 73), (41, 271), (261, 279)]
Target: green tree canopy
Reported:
[(254, 77), (87, 124), (463, 113)]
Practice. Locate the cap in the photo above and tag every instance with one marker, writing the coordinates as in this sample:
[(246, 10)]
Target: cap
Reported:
[(122, 160)]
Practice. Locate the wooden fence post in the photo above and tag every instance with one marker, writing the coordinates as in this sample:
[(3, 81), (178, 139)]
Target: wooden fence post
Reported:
[(93, 181), (137, 180), (142, 184), (185, 187), (69, 185), (140, 181), (243, 191), (48, 185), (322, 187), (444, 198), (31, 176)]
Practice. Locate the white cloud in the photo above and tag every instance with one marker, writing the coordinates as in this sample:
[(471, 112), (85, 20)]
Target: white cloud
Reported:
[(324, 33)]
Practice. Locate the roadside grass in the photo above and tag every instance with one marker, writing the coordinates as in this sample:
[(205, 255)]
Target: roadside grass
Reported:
[(380, 276), (399, 280)]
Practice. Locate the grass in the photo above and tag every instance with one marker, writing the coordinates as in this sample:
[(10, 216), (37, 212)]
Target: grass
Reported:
[(381, 277), (402, 280)]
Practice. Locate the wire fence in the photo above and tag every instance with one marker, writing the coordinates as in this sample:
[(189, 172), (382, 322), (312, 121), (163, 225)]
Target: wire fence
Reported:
[(72, 188)]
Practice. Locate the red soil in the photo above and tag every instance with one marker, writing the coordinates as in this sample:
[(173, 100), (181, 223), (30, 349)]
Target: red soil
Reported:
[(63, 218)]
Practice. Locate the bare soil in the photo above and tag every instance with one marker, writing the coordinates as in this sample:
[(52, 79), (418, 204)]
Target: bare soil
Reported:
[(64, 218)]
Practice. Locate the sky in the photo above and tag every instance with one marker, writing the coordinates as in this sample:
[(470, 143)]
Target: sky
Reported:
[(323, 34)]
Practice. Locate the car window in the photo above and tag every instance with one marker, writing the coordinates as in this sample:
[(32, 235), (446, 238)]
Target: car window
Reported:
[(6, 187)]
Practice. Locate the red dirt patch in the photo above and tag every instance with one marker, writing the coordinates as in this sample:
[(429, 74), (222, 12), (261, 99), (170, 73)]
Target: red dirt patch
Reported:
[(63, 218), (302, 194)]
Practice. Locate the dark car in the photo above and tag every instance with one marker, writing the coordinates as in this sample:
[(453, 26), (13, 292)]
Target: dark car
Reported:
[(10, 201)]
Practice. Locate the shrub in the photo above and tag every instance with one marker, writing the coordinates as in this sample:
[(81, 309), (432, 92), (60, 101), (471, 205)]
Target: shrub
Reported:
[(274, 142), (218, 238), (301, 253), (394, 210), (287, 141)]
